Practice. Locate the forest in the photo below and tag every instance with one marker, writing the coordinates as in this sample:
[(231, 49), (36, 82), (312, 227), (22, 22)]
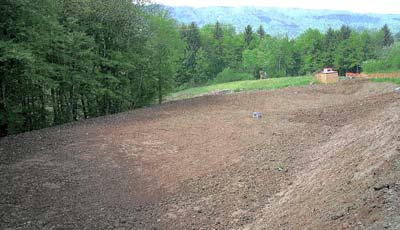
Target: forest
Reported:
[(67, 60)]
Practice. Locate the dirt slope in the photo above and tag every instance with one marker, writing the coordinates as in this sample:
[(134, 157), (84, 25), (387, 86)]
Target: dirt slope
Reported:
[(326, 157)]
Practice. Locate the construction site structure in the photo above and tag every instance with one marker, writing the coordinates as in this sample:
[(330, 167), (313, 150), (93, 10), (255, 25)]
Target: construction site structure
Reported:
[(327, 76)]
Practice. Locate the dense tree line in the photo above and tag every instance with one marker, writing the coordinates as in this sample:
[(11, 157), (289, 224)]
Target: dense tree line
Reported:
[(218, 47), (65, 60)]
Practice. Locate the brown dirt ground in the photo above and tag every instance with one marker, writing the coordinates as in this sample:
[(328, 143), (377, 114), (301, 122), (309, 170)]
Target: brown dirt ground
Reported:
[(322, 157)]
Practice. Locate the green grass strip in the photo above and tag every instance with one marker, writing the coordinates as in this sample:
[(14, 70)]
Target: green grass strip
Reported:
[(267, 84), (393, 80)]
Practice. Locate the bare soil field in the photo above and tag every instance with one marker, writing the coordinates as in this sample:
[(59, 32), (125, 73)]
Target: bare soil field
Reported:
[(321, 157)]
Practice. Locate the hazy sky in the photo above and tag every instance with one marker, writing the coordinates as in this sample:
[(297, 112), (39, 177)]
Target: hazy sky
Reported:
[(366, 6)]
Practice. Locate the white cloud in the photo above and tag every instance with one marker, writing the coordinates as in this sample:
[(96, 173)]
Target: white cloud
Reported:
[(370, 6)]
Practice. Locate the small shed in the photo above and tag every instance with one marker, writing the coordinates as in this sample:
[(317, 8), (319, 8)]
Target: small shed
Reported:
[(327, 76)]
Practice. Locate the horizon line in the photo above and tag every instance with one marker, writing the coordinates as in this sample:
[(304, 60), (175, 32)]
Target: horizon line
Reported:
[(278, 7)]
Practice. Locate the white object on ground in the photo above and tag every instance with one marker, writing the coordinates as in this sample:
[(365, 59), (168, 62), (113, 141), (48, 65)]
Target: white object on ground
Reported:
[(257, 115)]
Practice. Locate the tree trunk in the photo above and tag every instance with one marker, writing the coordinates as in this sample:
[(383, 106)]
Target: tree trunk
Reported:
[(3, 112), (28, 114), (160, 89), (160, 76), (43, 120), (73, 103), (84, 109), (55, 107)]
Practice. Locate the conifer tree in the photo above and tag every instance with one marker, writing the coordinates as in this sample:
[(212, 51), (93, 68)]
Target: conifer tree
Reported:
[(388, 39), (248, 35), (261, 32)]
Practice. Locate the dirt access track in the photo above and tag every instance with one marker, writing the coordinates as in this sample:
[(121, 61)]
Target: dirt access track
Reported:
[(321, 157)]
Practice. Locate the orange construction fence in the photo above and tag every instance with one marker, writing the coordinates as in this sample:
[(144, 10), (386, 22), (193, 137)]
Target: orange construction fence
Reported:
[(374, 75)]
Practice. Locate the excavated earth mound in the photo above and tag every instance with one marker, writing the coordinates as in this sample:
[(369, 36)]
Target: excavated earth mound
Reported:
[(321, 157)]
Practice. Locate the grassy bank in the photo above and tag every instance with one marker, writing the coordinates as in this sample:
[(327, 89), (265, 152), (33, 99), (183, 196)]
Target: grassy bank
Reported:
[(394, 80), (267, 84)]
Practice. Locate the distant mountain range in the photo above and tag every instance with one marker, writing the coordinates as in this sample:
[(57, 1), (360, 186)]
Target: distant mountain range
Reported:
[(282, 21)]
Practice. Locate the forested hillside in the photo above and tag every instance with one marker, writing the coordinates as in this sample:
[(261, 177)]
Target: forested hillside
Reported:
[(283, 21), (65, 60)]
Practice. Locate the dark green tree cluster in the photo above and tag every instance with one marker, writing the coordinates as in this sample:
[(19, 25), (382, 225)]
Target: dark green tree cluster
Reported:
[(208, 51), (218, 47), (343, 49), (64, 60), (387, 61)]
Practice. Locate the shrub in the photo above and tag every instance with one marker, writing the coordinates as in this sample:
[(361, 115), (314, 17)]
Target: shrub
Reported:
[(374, 66), (388, 62), (229, 75)]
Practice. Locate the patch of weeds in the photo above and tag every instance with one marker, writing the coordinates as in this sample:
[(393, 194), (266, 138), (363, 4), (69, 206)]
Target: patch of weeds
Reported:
[(280, 167), (396, 164), (352, 207)]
